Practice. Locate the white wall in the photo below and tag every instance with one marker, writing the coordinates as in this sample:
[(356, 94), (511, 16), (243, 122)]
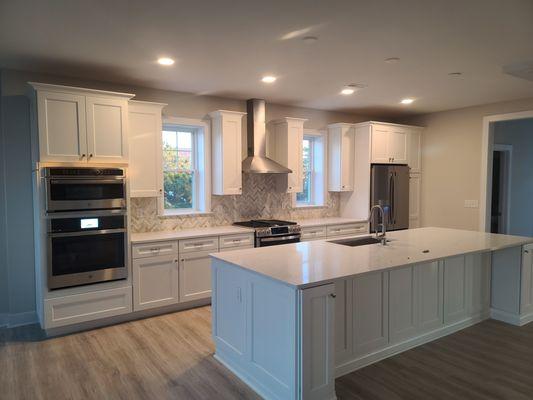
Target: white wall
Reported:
[(16, 229), (519, 134), (451, 162)]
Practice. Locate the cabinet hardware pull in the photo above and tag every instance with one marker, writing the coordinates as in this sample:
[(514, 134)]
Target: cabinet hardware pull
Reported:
[(91, 155), (333, 295), (526, 251), (82, 156), (176, 260)]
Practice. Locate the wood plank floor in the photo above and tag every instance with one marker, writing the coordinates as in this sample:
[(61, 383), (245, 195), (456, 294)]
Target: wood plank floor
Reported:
[(170, 357)]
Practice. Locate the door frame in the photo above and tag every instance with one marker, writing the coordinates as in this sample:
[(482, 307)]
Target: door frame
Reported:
[(487, 148), (508, 168)]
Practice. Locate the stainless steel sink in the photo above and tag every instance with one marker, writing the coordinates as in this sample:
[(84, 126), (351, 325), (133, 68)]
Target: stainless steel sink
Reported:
[(353, 242)]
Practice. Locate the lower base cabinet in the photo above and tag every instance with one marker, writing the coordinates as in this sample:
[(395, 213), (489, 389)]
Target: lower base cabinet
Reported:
[(195, 276), (155, 282)]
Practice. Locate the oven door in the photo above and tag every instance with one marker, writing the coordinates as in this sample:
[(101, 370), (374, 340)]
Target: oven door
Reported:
[(275, 240), (84, 194), (79, 258)]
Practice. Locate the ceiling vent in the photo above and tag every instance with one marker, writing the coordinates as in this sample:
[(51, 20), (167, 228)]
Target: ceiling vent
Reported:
[(523, 70)]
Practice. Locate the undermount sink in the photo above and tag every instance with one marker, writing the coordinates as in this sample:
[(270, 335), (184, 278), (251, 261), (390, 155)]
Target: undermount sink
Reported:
[(353, 242)]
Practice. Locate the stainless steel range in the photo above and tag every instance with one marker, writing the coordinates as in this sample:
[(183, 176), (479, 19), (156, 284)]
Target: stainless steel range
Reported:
[(271, 232)]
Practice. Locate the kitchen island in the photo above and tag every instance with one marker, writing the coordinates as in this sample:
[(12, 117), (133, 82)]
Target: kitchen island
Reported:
[(290, 319)]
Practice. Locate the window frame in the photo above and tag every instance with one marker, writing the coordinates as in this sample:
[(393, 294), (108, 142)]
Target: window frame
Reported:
[(201, 196), (318, 182)]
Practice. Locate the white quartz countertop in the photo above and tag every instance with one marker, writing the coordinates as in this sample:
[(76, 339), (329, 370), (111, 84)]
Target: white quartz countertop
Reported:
[(312, 263), (188, 233), (327, 221)]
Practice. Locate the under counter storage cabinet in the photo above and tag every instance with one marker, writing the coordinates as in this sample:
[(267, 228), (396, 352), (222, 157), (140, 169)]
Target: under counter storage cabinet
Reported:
[(79, 125), (341, 157), (285, 146), (226, 131), (145, 164)]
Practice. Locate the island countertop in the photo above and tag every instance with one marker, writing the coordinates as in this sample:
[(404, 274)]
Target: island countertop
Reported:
[(313, 263)]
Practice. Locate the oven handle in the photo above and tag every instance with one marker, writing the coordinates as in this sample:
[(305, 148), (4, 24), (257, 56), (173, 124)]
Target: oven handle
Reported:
[(69, 181), (278, 238), (87, 233)]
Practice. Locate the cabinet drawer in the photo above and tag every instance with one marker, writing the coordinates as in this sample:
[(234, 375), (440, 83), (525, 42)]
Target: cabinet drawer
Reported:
[(346, 229), (313, 232), (84, 307), (240, 240), (154, 249), (198, 244)]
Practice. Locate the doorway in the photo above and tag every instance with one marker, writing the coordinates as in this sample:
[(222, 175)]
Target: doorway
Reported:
[(501, 188)]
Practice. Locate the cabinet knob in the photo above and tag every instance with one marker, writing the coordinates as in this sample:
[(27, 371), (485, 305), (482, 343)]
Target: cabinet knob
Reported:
[(176, 261), (333, 295), (160, 190), (90, 155), (526, 251), (82, 156)]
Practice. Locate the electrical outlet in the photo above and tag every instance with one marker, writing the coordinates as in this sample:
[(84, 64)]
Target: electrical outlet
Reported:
[(471, 203)]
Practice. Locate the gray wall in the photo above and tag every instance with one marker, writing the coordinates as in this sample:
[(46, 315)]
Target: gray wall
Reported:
[(519, 134), (17, 293)]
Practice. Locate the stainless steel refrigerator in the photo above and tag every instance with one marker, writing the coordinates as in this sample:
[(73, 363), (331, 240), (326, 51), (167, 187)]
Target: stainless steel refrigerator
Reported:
[(389, 186)]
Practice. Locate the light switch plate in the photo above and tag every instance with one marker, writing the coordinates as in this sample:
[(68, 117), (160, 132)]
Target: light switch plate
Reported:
[(471, 203)]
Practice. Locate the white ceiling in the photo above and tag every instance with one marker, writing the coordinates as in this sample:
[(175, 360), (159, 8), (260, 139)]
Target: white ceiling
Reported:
[(224, 47)]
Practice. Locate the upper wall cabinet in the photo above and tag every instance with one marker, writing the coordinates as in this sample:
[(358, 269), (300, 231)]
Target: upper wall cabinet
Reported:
[(389, 144), (413, 150), (341, 149), (145, 163), (227, 152), (80, 125), (285, 145)]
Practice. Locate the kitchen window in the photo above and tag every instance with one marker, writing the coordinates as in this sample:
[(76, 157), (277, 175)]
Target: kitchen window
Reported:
[(313, 170), (184, 160)]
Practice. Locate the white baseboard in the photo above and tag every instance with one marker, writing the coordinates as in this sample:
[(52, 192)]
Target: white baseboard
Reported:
[(526, 319), (19, 319), (504, 316)]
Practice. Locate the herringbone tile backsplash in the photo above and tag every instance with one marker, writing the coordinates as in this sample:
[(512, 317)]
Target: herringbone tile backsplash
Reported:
[(259, 199)]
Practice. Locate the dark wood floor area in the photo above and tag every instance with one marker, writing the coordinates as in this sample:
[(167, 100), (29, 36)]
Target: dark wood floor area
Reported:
[(170, 357)]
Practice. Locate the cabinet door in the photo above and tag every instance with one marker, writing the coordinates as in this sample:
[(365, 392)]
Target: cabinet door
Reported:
[(62, 127), (430, 296), (144, 172), (318, 319), (231, 153), (380, 144), (398, 145), (526, 300), (478, 273), (107, 129), (403, 312), (195, 276), (343, 321), (455, 290), (347, 159), (414, 201), (295, 136), (414, 156), (371, 331), (155, 282)]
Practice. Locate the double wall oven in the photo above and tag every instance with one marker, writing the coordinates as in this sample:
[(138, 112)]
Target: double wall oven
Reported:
[(86, 225)]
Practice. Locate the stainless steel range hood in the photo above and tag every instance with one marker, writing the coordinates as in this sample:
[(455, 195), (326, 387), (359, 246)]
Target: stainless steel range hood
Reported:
[(257, 162)]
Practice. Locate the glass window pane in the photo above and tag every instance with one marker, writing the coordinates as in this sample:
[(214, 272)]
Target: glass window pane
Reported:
[(169, 139), (307, 161), (178, 189)]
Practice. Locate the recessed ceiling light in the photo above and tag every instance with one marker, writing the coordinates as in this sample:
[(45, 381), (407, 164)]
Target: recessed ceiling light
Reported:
[(392, 60), (269, 79), (165, 61), (455, 73), (347, 91), (352, 88), (407, 101)]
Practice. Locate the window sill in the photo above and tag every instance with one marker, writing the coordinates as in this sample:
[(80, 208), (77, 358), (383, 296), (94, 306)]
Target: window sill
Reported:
[(184, 213), (301, 206)]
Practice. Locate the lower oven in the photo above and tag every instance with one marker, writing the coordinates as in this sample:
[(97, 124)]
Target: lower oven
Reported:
[(87, 248), (275, 240)]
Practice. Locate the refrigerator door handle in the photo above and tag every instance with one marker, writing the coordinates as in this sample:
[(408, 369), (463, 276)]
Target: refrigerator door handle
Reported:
[(391, 198)]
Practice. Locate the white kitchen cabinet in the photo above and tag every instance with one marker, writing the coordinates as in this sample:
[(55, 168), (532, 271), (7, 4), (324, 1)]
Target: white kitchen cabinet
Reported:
[(240, 240), (344, 320), (226, 134), (155, 282), (145, 163), (285, 146), (403, 304), (341, 157), (414, 149), (478, 283), (455, 289), (414, 200), (313, 233), (195, 276), (334, 231), (81, 125), (430, 295), (317, 352), (389, 144), (526, 292), (371, 312)]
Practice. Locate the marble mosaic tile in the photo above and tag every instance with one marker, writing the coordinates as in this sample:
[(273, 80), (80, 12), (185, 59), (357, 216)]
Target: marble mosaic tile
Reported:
[(259, 199)]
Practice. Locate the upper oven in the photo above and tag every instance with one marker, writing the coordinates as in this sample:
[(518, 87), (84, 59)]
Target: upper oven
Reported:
[(74, 189)]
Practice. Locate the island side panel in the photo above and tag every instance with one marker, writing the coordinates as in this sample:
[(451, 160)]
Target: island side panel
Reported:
[(505, 288), (255, 329)]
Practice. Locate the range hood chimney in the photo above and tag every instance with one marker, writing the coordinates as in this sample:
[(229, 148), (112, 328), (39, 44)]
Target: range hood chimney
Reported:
[(257, 162)]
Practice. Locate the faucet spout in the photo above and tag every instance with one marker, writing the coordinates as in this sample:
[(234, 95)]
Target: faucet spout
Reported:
[(383, 236)]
